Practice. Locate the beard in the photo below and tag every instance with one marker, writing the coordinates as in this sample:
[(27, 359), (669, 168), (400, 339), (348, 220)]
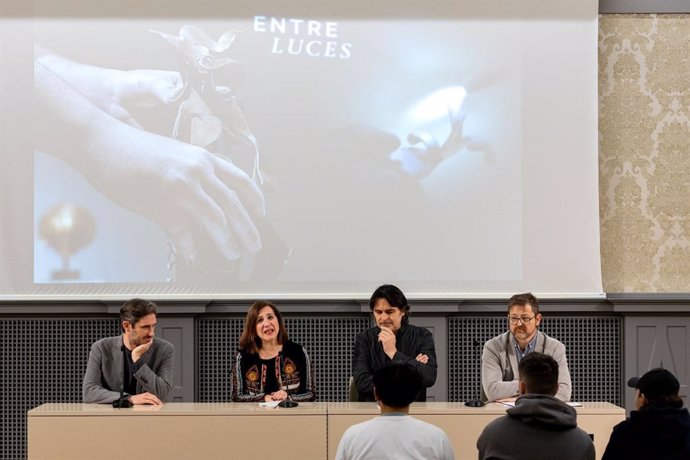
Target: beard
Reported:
[(521, 333), (135, 340)]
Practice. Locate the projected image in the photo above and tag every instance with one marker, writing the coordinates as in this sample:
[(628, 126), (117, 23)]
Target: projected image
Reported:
[(271, 150), (209, 209), (424, 150)]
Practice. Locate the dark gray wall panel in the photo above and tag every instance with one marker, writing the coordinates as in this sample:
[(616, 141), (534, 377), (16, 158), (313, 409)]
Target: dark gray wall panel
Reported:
[(180, 332), (217, 340), (657, 342), (644, 6), (42, 360)]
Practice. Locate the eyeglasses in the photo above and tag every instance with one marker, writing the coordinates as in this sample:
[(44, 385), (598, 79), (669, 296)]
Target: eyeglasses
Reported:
[(522, 319)]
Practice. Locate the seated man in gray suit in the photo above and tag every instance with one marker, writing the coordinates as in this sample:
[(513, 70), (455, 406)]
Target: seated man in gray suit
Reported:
[(148, 366), (502, 354)]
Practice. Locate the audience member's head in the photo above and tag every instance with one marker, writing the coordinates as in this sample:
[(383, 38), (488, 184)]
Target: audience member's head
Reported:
[(538, 374), (397, 385), (657, 387)]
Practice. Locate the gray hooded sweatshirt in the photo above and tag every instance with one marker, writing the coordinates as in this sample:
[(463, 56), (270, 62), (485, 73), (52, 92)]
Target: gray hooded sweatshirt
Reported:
[(538, 427)]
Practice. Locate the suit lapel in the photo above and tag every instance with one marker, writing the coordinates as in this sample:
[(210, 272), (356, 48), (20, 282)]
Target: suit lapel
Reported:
[(116, 350)]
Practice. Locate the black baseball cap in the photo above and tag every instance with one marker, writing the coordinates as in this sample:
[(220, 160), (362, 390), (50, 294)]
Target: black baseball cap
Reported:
[(656, 383)]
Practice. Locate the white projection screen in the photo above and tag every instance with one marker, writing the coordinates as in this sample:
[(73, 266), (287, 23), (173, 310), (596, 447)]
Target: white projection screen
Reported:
[(307, 149)]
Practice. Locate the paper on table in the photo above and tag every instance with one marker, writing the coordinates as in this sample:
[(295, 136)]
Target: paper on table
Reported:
[(512, 403), (269, 404)]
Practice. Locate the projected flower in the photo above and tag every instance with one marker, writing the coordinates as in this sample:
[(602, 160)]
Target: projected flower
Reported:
[(423, 151), (210, 115)]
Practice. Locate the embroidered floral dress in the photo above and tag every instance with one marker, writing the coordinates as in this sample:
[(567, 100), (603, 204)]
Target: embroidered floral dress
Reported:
[(253, 378)]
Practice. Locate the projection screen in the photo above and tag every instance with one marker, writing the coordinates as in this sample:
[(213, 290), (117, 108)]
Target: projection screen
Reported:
[(308, 149)]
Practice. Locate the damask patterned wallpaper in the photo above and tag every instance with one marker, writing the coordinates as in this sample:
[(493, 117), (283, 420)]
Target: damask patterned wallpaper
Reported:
[(644, 152)]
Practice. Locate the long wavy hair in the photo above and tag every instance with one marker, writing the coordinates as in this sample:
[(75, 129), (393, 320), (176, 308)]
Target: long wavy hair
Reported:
[(249, 341)]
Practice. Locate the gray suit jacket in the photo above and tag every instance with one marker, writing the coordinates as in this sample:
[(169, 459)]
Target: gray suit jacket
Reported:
[(500, 367), (103, 377)]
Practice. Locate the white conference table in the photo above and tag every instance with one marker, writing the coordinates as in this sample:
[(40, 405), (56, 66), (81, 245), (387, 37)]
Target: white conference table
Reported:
[(245, 430), (177, 431)]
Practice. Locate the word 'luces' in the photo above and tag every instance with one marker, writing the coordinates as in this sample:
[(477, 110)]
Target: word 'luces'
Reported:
[(308, 37)]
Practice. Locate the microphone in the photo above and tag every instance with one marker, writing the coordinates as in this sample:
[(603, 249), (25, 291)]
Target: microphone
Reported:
[(287, 402), (476, 402), (123, 402)]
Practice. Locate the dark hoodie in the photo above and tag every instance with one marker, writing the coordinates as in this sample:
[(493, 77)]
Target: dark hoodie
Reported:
[(538, 427), (658, 433)]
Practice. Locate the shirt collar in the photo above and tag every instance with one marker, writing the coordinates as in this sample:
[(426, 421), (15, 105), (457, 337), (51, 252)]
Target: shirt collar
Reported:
[(528, 349)]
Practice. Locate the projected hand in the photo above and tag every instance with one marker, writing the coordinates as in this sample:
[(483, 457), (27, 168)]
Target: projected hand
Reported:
[(146, 87), (115, 91), (191, 193), (118, 91), (142, 88)]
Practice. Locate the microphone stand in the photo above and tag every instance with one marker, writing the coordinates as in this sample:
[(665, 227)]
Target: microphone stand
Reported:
[(476, 402), (287, 402), (123, 402)]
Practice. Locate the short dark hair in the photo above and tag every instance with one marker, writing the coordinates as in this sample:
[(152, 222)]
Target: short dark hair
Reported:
[(524, 299), (249, 341), (397, 385), (539, 373), (394, 296), (135, 309)]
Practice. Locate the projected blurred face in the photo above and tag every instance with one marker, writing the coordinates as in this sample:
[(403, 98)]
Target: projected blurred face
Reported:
[(142, 331), (386, 315), (267, 325), (523, 322)]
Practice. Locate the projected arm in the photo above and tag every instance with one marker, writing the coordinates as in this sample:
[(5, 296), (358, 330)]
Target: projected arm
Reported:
[(193, 195), (113, 90)]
